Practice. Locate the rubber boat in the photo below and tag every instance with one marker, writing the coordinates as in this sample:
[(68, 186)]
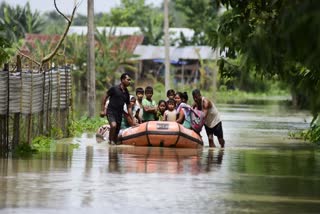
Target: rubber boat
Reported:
[(156, 159), (161, 134)]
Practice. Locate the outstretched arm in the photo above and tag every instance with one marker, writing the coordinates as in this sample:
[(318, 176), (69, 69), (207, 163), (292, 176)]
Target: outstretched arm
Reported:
[(103, 105), (130, 117)]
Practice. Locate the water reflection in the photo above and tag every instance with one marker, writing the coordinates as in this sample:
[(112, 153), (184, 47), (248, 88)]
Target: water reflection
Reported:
[(163, 160), (260, 171)]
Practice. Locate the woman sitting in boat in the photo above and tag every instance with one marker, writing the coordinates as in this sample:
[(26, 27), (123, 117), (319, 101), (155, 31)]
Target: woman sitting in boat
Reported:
[(183, 109)]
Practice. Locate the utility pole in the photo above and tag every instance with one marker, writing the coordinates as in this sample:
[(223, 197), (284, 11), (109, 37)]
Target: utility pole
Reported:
[(166, 44), (91, 80)]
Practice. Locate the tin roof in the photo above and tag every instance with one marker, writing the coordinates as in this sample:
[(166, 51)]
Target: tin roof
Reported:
[(188, 52), (131, 42), (30, 40), (117, 31)]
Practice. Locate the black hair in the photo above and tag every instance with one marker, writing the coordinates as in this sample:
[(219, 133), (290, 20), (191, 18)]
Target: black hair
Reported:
[(196, 92), (185, 96), (139, 90), (148, 89), (170, 92), (180, 94), (124, 75), (171, 101), (162, 101)]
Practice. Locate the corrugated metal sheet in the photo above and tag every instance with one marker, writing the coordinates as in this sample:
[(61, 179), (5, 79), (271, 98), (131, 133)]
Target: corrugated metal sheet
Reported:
[(149, 52), (120, 31), (189, 52), (32, 92), (194, 52)]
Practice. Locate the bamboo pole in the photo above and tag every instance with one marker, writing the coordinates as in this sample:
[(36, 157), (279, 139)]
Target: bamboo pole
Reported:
[(16, 117), (6, 68), (29, 115)]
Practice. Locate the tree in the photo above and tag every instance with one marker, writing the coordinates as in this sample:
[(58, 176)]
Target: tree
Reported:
[(53, 23), (137, 13), (129, 13), (4, 44), (200, 16), (20, 20), (91, 93), (276, 38), (111, 56), (46, 58)]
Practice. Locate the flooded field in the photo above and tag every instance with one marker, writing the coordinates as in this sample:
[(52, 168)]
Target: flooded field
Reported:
[(261, 170)]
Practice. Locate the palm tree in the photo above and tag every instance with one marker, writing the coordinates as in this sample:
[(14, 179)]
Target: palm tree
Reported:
[(111, 57), (19, 20)]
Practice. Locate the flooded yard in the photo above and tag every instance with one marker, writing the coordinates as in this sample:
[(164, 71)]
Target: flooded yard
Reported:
[(261, 170)]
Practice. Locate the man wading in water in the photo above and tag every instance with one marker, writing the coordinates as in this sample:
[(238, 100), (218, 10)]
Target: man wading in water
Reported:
[(117, 96), (213, 122)]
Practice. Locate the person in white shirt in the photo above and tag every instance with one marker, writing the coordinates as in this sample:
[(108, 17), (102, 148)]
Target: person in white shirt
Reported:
[(213, 123), (170, 114)]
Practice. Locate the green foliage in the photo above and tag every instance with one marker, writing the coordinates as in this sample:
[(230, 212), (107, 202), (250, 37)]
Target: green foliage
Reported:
[(42, 143), (85, 124), (152, 29), (137, 13), (39, 144), (129, 13), (23, 150), (235, 76), (53, 21), (312, 134), (19, 20), (56, 133), (201, 17), (4, 45), (76, 50), (11, 50), (42, 48), (276, 38), (110, 57)]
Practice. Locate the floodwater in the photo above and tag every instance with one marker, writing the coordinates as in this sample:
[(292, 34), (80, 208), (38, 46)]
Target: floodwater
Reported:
[(261, 170)]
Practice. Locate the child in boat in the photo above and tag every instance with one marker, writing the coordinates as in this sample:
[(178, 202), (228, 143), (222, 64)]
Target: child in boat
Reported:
[(183, 109), (170, 114), (149, 105), (126, 120), (170, 94), (139, 97), (162, 107)]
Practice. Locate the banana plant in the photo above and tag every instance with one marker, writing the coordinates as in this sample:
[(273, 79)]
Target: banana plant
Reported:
[(111, 57)]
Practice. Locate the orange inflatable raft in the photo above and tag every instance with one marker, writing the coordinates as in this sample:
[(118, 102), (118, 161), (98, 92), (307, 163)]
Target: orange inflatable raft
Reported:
[(161, 134)]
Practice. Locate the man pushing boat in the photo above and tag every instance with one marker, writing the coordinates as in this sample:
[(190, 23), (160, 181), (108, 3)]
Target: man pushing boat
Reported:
[(117, 96)]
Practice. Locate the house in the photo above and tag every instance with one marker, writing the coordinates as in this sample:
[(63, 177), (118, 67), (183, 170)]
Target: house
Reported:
[(185, 61), (47, 42)]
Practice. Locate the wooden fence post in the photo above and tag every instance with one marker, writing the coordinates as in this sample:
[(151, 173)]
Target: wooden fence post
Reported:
[(16, 117)]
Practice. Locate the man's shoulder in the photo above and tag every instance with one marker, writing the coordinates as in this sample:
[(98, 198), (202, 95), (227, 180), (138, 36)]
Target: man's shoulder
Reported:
[(112, 88)]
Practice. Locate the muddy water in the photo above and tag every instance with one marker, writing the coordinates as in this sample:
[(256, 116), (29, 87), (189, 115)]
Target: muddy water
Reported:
[(260, 171)]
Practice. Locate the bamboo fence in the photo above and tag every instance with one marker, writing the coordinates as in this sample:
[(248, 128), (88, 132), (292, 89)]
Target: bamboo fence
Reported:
[(32, 104)]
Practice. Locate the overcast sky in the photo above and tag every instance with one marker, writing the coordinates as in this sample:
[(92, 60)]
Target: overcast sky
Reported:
[(66, 6)]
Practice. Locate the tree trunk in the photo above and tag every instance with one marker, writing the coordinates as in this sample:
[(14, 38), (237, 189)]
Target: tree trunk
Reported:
[(167, 44), (91, 61)]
